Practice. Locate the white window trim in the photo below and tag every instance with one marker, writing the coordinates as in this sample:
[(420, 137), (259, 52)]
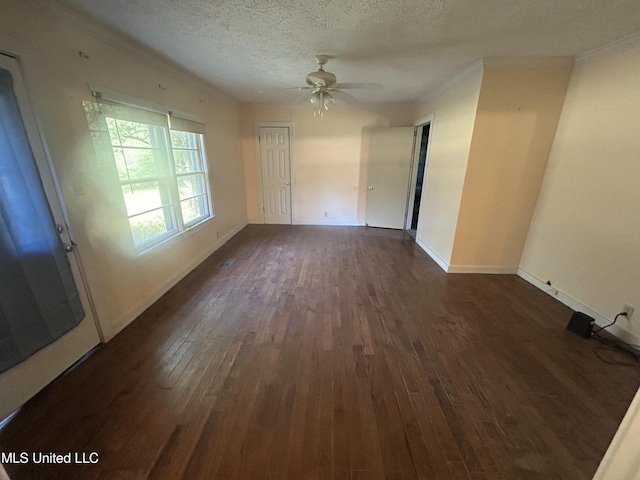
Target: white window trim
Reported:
[(190, 228)]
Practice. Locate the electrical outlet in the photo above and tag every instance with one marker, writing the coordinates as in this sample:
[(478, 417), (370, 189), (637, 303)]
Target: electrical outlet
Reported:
[(629, 310), (552, 290)]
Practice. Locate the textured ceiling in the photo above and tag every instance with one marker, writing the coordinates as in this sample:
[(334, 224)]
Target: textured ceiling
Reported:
[(407, 47)]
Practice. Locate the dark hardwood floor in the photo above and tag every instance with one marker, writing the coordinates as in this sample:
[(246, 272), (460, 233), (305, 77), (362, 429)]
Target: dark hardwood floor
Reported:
[(333, 352)]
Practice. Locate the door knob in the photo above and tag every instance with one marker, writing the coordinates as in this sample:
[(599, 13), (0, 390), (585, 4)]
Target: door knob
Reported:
[(370, 187)]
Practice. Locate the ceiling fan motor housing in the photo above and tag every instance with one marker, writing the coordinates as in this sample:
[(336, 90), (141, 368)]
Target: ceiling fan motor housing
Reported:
[(321, 78)]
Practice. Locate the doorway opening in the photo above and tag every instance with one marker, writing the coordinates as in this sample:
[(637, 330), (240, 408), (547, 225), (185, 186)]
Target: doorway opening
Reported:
[(419, 165)]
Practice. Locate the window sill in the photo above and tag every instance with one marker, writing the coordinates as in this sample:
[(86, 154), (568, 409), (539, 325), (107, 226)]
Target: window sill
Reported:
[(170, 241)]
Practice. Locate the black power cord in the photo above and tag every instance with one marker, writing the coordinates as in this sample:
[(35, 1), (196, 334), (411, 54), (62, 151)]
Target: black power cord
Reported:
[(621, 314), (617, 348), (617, 345)]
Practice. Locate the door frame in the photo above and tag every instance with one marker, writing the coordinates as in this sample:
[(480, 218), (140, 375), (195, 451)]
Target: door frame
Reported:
[(428, 120), (37, 369), (256, 141)]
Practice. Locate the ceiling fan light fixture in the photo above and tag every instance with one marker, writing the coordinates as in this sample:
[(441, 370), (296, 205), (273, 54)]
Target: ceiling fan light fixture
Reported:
[(320, 101), (328, 101)]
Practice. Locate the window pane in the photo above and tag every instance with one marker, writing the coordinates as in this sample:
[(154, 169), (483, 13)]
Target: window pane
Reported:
[(150, 225), (121, 164), (113, 131), (191, 185), (140, 163), (194, 208), (145, 196), (135, 154), (183, 139), (187, 161), (133, 134)]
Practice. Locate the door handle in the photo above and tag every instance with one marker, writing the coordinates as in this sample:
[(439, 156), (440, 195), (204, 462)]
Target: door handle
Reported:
[(286, 183), (370, 187)]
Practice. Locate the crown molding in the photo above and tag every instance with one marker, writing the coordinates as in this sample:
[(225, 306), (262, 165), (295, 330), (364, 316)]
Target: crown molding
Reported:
[(616, 46), (470, 70), (533, 61)]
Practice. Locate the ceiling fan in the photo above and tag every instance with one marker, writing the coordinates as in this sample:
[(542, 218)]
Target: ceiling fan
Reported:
[(323, 89)]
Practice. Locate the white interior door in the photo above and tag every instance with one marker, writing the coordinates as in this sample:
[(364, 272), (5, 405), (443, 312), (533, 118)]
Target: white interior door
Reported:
[(275, 161), (24, 380), (389, 153)]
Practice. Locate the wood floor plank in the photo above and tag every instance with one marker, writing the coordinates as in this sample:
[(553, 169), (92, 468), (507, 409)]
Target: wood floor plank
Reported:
[(332, 353)]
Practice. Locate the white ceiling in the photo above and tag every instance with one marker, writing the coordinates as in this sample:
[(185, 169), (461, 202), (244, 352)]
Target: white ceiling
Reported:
[(408, 47)]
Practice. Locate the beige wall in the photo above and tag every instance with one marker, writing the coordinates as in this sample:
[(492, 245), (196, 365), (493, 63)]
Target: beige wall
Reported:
[(516, 120), (328, 169), (585, 232), (453, 110), (47, 38), (622, 462)]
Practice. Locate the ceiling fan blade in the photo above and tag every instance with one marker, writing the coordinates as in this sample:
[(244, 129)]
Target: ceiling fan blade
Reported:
[(285, 88), (357, 85), (342, 96), (303, 96)]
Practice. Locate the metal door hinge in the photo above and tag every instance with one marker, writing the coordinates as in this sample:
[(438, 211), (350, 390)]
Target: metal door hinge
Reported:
[(70, 247)]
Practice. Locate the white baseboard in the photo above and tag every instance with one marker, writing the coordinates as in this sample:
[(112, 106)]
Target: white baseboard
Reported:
[(482, 269), (310, 222), (574, 304), (124, 320), (329, 223), (491, 269), (434, 256)]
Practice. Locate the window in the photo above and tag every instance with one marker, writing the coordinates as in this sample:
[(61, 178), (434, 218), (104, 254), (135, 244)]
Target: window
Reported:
[(189, 168), (161, 169)]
